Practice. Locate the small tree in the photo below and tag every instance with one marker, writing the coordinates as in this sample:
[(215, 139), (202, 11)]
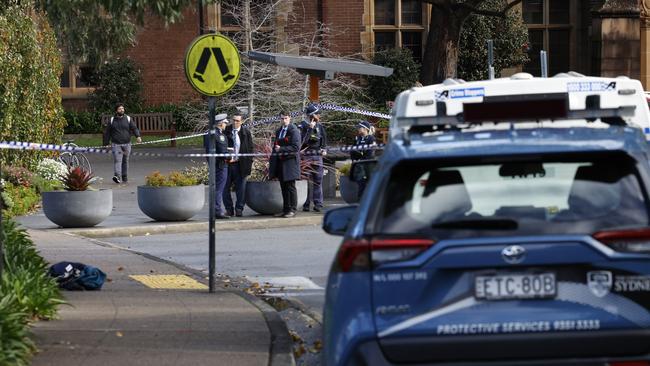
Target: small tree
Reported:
[(440, 59), (118, 80), (509, 34), (405, 75)]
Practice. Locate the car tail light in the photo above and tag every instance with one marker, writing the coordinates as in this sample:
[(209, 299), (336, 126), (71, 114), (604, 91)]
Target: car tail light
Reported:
[(358, 255), (629, 363), (629, 241)]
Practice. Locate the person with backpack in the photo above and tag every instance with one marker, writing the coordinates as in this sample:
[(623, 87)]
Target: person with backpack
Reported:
[(118, 134)]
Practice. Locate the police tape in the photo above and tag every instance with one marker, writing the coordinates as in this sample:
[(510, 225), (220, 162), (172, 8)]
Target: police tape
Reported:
[(267, 120), (26, 146), (324, 106)]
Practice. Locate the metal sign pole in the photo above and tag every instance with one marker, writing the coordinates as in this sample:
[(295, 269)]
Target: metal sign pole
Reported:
[(490, 46), (212, 101), (544, 61)]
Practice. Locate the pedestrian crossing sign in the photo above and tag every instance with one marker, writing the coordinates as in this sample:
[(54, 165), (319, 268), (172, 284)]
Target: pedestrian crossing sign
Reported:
[(212, 64)]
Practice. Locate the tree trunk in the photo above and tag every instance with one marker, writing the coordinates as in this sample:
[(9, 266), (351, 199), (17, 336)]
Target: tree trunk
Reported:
[(251, 64), (441, 50)]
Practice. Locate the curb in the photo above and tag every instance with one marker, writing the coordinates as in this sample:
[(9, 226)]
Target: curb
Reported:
[(246, 224), (281, 352)]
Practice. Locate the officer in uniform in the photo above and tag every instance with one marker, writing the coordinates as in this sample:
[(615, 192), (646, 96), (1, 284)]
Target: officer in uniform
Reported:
[(365, 136), (314, 144), (221, 163)]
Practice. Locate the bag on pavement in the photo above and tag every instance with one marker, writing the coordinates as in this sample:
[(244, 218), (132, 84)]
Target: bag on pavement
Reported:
[(77, 276)]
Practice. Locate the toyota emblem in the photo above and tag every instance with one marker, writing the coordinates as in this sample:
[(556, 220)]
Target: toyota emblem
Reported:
[(513, 254)]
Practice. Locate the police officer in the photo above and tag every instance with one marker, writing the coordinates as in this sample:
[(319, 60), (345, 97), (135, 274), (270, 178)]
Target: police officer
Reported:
[(314, 143), (221, 163), (285, 164), (365, 136)]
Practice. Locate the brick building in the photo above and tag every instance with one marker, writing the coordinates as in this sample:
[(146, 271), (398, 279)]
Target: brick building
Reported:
[(596, 37)]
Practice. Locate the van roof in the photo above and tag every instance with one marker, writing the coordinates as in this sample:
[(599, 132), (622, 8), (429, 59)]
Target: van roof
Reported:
[(522, 97)]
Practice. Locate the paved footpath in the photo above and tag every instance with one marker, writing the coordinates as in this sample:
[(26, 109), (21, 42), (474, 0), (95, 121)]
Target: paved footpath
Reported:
[(130, 323)]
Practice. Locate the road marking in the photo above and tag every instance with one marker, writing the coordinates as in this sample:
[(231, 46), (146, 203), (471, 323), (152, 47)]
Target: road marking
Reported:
[(169, 282), (288, 283)]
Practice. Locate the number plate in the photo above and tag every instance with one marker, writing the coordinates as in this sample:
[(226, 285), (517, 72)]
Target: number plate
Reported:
[(515, 286)]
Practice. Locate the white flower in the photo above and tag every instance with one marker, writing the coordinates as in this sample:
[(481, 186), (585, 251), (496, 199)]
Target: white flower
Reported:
[(51, 169)]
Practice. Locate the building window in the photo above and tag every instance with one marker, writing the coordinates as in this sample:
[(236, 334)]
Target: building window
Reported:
[(77, 81), (228, 17), (549, 28), (399, 23)]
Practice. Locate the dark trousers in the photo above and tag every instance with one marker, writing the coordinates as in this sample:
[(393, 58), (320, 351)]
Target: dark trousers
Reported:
[(235, 177), (221, 175), (289, 196), (361, 187), (315, 181)]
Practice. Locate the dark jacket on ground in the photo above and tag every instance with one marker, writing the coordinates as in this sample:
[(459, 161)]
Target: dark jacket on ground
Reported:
[(286, 167), (221, 147), (363, 154), (119, 131), (245, 147), (313, 139)]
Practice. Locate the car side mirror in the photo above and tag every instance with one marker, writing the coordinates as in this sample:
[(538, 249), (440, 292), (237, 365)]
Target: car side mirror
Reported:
[(362, 170), (337, 221)]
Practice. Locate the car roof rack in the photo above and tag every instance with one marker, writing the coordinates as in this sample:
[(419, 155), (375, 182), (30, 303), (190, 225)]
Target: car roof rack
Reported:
[(456, 104)]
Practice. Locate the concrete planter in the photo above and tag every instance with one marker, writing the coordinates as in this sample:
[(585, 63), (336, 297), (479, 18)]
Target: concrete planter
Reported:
[(171, 203), (266, 197), (348, 189), (77, 208)]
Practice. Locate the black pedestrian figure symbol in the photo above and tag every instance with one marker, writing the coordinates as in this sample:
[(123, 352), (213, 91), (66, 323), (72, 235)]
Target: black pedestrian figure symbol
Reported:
[(203, 64)]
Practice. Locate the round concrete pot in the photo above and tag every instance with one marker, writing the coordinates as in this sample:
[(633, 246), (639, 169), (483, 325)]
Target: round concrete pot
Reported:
[(266, 197), (171, 203), (348, 189), (77, 208)]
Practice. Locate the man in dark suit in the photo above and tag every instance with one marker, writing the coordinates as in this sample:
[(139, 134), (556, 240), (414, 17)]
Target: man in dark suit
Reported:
[(239, 168), (285, 164)]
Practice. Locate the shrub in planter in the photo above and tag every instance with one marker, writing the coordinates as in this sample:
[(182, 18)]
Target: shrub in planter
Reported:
[(347, 187), (51, 169), (174, 197), (78, 205)]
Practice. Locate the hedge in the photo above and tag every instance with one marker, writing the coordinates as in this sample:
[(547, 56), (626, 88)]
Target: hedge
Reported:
[(30, 95)]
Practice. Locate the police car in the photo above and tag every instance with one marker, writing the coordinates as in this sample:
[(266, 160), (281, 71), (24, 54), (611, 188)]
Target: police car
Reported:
[(506, 223)]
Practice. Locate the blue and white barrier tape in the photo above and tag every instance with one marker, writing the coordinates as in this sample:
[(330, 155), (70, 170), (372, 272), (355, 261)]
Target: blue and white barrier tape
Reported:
[(19, 145)]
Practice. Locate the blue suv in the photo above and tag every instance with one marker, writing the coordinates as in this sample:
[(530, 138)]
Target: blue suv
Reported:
[(511, 240)]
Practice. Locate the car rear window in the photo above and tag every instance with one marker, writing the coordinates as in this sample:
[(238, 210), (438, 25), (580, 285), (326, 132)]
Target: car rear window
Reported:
[(534, 195)]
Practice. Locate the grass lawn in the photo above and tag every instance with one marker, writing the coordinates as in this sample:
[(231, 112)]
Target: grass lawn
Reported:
[(97, 141)]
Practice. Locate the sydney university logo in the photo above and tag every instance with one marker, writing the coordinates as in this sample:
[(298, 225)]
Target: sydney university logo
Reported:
[(599, 282)]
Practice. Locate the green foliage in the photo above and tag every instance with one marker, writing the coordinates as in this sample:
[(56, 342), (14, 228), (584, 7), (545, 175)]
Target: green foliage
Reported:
[(19, 200), (174, 179), (30, 96), (510, 37), (15, 345), (17, 175), (405, 75), (77, 179), (92, 31), (82, 122), (345, 169), (117, 80), (26, 292)]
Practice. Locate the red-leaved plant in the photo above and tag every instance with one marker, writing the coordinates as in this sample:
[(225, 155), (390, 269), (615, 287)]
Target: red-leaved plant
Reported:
[(77, 179)]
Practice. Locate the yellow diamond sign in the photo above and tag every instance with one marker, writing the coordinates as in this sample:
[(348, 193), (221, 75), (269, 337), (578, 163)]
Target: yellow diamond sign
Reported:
[(212, 64)]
